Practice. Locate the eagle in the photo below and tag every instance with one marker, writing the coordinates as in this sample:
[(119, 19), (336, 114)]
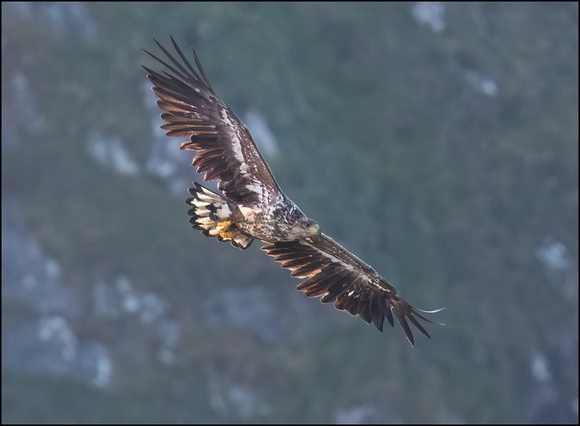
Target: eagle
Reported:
[(251, 204)]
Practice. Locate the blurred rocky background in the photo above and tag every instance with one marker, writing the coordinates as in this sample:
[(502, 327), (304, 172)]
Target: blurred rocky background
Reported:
[(437, 141)]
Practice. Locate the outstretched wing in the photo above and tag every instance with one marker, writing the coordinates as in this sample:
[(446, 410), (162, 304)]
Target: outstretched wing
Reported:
[(225, 148), (339, 277)]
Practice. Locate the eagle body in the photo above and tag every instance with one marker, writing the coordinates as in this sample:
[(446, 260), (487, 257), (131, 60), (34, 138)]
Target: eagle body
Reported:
[(251, 204), (240, 223)]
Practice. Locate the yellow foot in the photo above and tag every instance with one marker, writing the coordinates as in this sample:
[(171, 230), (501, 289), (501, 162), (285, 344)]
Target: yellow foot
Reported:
[(227, 230)]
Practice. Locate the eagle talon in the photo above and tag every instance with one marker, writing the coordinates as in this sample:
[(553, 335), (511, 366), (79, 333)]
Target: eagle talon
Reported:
[(227, 230)]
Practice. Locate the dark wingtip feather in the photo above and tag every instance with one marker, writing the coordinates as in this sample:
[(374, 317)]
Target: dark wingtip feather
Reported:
[(377, 311), (406, 329), (389, 316), (416, 324)]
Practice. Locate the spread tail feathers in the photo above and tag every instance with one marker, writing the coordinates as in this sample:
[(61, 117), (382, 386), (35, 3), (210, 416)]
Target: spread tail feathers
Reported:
[(211, 214)]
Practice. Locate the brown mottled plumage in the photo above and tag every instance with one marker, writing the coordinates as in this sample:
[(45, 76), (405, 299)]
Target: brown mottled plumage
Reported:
[(254, 207)]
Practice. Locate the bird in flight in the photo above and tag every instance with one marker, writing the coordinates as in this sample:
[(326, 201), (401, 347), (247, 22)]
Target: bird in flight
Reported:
[(251, 204)]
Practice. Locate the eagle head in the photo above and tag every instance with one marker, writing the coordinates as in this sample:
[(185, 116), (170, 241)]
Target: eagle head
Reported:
[(312, 228), (301, 227)]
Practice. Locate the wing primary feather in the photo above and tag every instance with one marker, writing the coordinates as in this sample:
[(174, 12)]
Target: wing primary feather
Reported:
[(340, 302), (389, 316), (165, 64), (418, 325), (184, 72), (318, 288), (365, 311), (198, 63), (377, 312), (354, 306), (186, 62), (406, 329)]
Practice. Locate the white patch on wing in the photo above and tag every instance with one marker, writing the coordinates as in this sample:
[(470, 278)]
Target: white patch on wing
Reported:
[(236, 143), (255, 187), (206, 222), (204, 199), (224, 211)]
